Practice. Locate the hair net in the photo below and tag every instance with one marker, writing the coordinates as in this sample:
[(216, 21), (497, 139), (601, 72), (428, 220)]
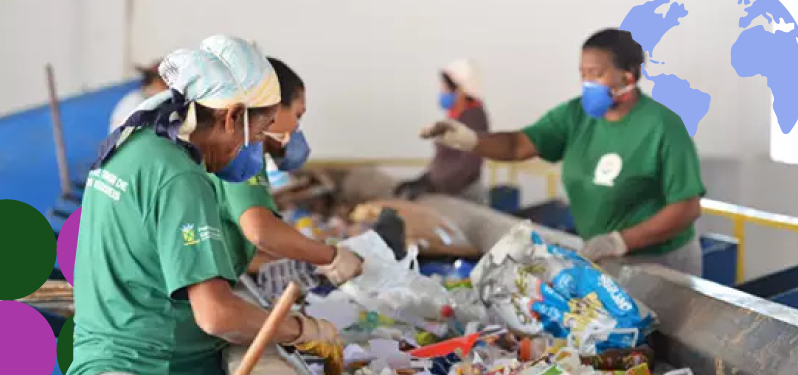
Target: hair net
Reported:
[(465, 74)]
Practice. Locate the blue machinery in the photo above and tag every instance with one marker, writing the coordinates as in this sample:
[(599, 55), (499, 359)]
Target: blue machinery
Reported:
[(27, 158)]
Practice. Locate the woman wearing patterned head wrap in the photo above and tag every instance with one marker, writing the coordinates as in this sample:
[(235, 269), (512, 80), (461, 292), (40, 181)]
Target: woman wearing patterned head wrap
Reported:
[(152, 274)]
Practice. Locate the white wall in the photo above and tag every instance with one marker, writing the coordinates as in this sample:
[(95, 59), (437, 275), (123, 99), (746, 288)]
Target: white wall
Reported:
[(372, 66), (371, 69), (83, 40)]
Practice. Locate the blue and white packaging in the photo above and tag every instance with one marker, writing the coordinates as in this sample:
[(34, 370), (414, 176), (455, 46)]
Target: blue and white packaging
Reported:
[(539, 288)]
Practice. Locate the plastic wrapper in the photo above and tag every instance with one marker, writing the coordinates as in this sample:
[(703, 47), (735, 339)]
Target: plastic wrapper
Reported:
[(394, 288), (274, 277), (539, 288)]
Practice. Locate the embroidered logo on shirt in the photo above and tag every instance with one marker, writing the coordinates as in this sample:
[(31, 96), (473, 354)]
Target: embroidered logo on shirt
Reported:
[(608, 169), (189, 235), (258, 180)]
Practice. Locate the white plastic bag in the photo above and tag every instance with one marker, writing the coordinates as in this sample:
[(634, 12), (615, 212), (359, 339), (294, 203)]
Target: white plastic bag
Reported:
[(394, 288)]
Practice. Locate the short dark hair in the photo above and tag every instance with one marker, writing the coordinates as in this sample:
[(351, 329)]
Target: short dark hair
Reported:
[(290, 83), (627, 54)]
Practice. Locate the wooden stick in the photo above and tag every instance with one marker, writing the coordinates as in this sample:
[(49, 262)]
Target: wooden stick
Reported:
[(277, 315), (58, 136)]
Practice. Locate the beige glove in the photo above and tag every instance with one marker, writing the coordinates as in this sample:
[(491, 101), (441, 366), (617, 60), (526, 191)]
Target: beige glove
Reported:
[(344, 267), (604, 246), (314, 330), (453, 134), (320, 338)]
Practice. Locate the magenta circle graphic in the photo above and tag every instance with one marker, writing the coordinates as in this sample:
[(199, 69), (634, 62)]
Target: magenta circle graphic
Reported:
[(68, 244), (27, 343)]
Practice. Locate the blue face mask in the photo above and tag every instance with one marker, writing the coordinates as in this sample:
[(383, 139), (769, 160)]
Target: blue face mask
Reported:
[(447, 100), (296, 152), (596, 99), (247, 163)]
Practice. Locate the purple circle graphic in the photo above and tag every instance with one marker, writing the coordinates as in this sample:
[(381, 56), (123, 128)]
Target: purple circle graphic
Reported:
[(27, 343), (68, 244)]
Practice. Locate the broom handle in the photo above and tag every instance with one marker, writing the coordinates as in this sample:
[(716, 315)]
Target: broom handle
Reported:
[(266, 333), (58, 136)]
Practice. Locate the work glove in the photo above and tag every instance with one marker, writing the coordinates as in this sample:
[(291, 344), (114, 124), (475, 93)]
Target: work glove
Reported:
[(453, 134), (604, 246), (345, 266), (333, 355), (313, 330), (320, 338)]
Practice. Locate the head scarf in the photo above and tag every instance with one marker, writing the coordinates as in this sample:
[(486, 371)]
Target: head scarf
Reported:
[(224, 71), (466, 76)]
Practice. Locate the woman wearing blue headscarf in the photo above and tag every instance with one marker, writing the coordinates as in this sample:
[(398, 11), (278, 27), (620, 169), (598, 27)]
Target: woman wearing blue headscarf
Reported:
[(153, 273)]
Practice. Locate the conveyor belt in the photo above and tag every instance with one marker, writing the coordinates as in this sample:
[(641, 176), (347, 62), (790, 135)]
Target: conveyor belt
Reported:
[(705, 326)]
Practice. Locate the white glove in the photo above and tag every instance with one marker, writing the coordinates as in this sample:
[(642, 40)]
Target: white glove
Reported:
[(344, 267), (453, 134), (604, 246)]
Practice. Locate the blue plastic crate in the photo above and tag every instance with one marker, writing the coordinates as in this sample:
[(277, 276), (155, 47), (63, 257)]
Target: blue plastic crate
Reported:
[(719, 259), (554, 214), (505, 198)]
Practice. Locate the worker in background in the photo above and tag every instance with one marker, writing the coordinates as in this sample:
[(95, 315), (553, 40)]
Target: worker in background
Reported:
[(151, 84), (453, 171), (630, 169), (153, 273), (250, 218)]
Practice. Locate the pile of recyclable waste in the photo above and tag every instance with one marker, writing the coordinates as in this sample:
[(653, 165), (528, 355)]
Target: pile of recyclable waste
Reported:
[(526, 308)]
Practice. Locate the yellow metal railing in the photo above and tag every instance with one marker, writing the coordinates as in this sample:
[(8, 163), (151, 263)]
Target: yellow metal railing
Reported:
[(738, 215)]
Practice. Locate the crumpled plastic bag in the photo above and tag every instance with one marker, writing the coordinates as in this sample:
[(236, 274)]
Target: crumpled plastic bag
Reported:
[(395, 288), (539, 288)]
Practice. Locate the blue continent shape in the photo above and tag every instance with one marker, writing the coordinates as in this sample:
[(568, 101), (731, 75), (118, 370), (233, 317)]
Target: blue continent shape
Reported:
[(757, 51), (648, 28), (676, 94)]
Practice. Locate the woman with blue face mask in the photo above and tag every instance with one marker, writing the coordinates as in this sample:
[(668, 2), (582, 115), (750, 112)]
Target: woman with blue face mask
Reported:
[(250, 219), (153, 271), (453, 171), (630, 169)]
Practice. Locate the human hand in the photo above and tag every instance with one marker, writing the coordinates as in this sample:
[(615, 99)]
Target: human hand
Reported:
[(313, 330), (333, 355), (609, 245), (345, 266), (453, 134), (320, 338)]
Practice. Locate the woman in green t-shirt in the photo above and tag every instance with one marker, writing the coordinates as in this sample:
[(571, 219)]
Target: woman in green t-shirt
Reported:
[(630, 169), (249, 213), (153, 276)]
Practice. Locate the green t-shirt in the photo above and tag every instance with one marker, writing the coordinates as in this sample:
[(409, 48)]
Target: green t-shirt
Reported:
[(234, 199), (149, 228), (619, 174)]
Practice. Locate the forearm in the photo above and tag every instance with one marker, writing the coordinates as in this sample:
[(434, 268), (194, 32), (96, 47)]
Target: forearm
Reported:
[(505, 146), (220, 312), (244, 320), (274, 237), (666, 224)]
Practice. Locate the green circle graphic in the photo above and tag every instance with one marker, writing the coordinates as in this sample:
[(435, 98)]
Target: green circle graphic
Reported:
[(66, 340), (27, 249)]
